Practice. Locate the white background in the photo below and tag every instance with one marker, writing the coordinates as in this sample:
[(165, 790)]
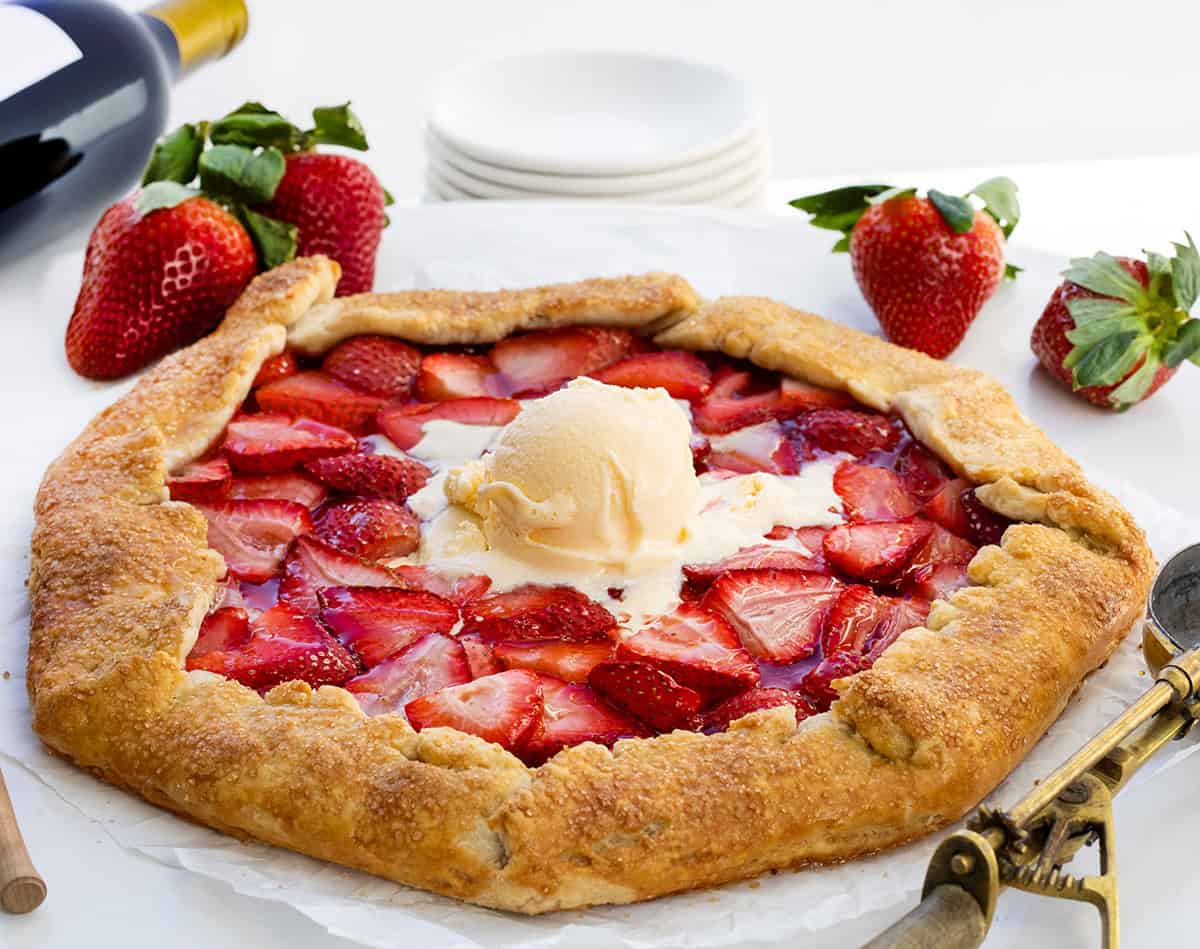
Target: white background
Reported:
[(851, 87)]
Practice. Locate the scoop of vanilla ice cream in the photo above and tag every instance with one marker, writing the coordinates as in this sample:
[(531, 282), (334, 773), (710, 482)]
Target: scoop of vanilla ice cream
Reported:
[(591, 477)]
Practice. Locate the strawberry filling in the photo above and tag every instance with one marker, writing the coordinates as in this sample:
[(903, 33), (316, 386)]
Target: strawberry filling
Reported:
[(311, 522)]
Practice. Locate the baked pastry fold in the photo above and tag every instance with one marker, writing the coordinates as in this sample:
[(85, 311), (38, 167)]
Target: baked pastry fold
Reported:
[(121, 578)]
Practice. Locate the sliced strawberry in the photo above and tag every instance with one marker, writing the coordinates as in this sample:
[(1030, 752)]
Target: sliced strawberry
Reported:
[(229, 593), (939, 567), (737, 399), (253, 536), (936, 582), (481, 659), (222, 630), (377, 365), (268, 444), (701, 449), (431, 663), (759, 557), (279, 366), (877, 552), (312, 566), (908, 614), (923, 474), (856, 433), (318, 396), (371, 528), (573, 714), (535, 363), (503, 708), (723, 715), (683, 375), (377, 622), (288, 486), (284, 644), (649, 694), (538, 612), (761, 447), (457, 376), (696, 648), (856, 616), (405, 424), (946, 507), (871, 494), (776, 613), (984, 526), (818, 683), (381, 476), (571, 662), (201, 481), (797, 396), (458, 590), (813, 540)]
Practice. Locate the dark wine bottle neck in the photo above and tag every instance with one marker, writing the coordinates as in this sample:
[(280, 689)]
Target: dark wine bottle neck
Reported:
[(166, 41)]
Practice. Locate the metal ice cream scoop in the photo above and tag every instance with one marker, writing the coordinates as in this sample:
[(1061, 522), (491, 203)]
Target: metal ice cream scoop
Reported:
[(1028, 845)]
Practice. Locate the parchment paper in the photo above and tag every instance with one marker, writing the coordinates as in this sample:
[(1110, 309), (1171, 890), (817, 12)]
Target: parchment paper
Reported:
[(774, 910)]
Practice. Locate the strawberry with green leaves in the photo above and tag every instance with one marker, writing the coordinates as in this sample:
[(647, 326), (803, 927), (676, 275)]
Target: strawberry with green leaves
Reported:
[(292, 199), (220, 201), (1117, 329), (926, 265)]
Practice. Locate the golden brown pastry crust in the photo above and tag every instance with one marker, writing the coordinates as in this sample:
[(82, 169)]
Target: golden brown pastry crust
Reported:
[(121, 577)]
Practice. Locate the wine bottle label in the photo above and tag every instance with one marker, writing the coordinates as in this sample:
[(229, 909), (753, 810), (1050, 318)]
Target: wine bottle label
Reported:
[(32, 47)]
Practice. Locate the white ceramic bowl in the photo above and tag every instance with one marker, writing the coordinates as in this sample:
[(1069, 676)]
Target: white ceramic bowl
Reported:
[(581, 113), (745, 193), (737, 155), (696, 193)]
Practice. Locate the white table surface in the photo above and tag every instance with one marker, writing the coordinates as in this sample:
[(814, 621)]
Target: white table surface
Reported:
[(102, 895)]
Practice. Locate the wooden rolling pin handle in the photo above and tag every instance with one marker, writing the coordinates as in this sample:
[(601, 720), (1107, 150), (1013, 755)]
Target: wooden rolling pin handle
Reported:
[(21, 888)]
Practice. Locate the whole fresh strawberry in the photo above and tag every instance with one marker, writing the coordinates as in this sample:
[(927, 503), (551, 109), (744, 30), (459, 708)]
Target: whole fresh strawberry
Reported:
[(337, 206), (155, 278), (926, 265), (220, 201), (1117, 329)]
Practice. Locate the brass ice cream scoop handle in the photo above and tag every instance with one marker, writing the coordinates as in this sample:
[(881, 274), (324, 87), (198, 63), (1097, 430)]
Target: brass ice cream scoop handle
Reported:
[(1028, 845)]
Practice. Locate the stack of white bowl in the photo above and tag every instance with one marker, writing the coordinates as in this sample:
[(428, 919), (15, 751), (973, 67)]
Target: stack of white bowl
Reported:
[(572, 126)]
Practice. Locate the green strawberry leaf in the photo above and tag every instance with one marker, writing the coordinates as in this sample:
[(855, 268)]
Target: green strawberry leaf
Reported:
[(1135, 387), (1088, 334), (999, 196), (1087, 309), (1107, 361), (274, 240), (388, 200), (175, 155), (839, 209), (1159, 265), (337, 125), (251, 107), (1103, 274), (956, 212), (839, 200), (162, 194), (1185, 345), (1011, 271), (253, 125), (1185, 274), (235, 173)]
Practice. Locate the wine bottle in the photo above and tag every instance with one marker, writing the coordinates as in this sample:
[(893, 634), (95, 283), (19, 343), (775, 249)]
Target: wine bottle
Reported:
[(84, 90)]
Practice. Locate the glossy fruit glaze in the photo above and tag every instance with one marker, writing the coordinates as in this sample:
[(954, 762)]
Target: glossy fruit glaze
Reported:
[(308, 515)]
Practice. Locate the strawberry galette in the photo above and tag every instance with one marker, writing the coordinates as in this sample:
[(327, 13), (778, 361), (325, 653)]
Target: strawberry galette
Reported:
[(572, 595)]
